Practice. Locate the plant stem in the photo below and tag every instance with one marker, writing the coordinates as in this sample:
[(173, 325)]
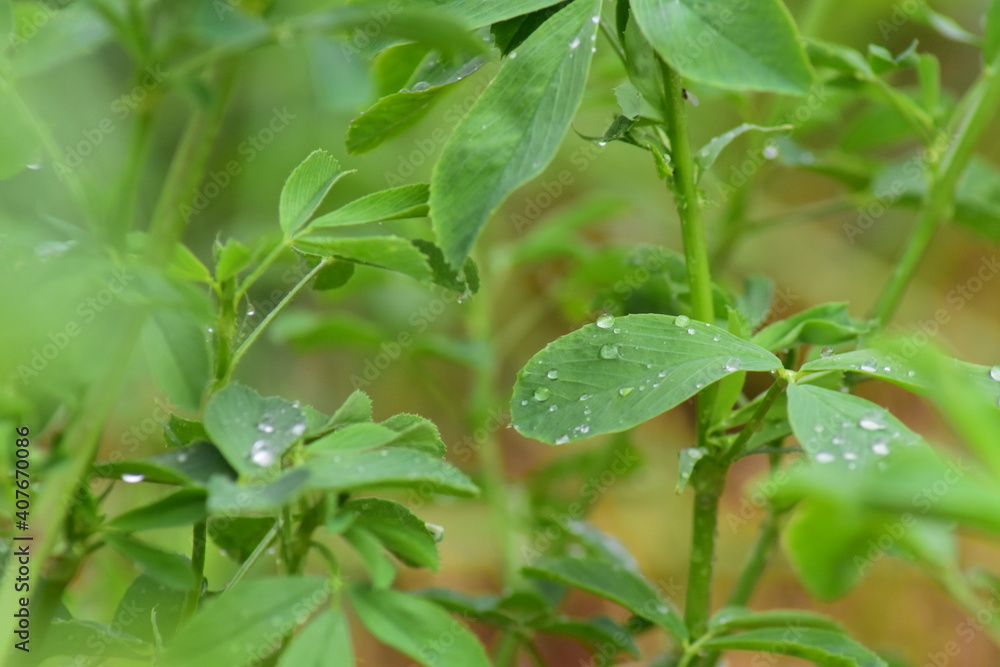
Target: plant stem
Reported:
[(198, 545), (491, 464), (945, 166), (686, 197), (245, 345), (710, 476), (265, 542)]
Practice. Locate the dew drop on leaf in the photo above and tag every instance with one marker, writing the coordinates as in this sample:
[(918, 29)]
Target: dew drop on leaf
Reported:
[(609, 352), (541, 394), (870, 366), (824, 457), (625, 391), (562, 439), (881, 447), (260, 454), (995, 373), (606, 321), (552, 374), (130, 478), (682, 320), (871, 424)]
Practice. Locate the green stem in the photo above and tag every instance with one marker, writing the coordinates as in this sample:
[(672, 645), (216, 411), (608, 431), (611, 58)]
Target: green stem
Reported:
[(506, 653), (264, 544), (710, 475), (491, 463), (263, 266), (199, 539), (123, 210), (945, 165), (686, 197), (255, 334), (167, 222)]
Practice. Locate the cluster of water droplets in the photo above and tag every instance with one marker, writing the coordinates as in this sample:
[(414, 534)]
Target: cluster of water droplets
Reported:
[(872, 424), (266, 449)]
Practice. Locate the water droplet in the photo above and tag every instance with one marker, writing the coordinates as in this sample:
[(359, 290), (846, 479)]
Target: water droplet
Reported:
[(837, 440), (606, 321), (824, 457), (870, 366), (691, 331), (512, 55), (553, 374), (661, 374), (850, 456), (584, 397), (995, 373), (562, 439), (542, 394), (682, 320), (130, 478), (617, 330), (420, 86), (595, 19), (575, 43), (298, 429), (732, 365), (265, 427), (910, 374), (553, 407), (826, 352), (818, 428), (524, 402), (583, 428), (770, 152), (881, 447), (625, 391), (609, 352), (871, 423), (260, 454), (182, 457), (716, 339)]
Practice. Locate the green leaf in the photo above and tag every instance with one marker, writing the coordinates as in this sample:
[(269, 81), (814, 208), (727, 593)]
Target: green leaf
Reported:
[(306, 188), (230, 499), (58, 35), (178, 355), (514, 129), (239, 536), (614, 583), (845, 430), (416, 432), (709, 153), (189, 465), (148, 608), (388, 118), (84, 638), (689, 458), (325, 641), (353, 437), (991, 41), (180, 432), (876, 363), (618, 373), (252, 616), (478, 14), (733, 619), (402, 533), (170, 569), (387, 467), (185, 265), (599, 632), (186, 507), (368, 546), (252, 432), (389, 252), (357, 409), (334, 275), (231, 258), (822, 647), (407, 201), (753, 47), (826, 324), (465, 282), (415, 627)]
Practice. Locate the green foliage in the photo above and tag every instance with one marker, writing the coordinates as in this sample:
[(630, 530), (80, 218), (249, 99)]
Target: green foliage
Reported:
[(272, 481)]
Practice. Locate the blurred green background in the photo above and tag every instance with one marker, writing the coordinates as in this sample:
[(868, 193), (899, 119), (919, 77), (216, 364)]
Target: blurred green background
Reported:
[(306, 92)]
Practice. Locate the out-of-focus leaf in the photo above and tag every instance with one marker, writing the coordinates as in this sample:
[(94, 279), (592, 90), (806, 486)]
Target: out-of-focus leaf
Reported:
[(253, 616), (170, 569), (306, 188)]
